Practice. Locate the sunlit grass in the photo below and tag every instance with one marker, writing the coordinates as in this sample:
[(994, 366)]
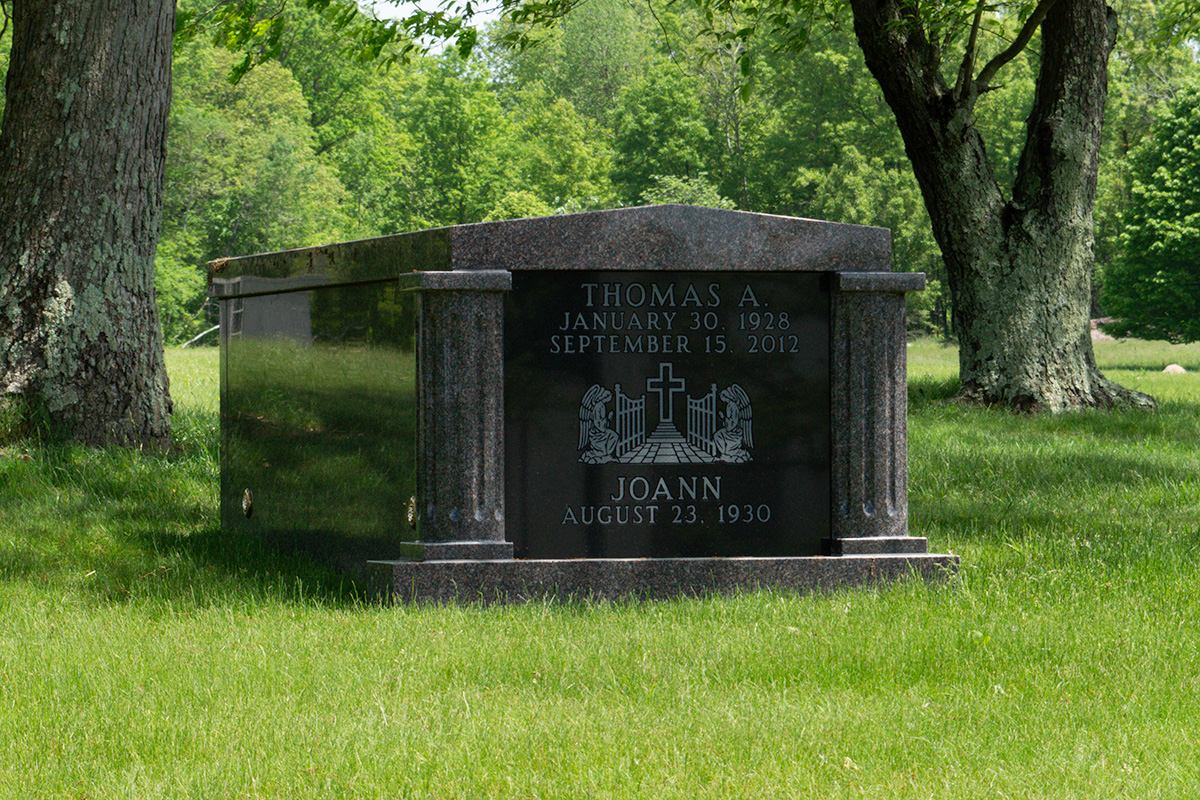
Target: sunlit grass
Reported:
[(142, 655), (1141, 356)]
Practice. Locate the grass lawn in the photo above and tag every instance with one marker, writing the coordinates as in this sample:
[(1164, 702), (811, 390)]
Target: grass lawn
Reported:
[(143, 656)]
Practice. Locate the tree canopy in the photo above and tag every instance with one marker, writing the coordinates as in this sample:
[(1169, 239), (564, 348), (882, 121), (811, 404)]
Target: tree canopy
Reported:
[(1154, 287), (620, 104), (801, 108)]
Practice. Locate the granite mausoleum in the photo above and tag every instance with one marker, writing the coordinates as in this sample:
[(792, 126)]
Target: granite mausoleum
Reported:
[(640, 402)]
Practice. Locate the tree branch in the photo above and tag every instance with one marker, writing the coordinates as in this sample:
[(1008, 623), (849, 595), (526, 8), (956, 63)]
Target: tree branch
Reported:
[(1014, 49), (325, 147), (662, 29), (968, 62)]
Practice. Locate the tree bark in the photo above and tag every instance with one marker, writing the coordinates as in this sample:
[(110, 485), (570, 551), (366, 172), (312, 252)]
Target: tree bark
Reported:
[(1020, 267), (82, 153)]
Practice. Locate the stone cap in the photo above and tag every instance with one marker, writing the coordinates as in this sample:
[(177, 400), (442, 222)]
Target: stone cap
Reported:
[(879, 282), (477, 280), (665, 237)]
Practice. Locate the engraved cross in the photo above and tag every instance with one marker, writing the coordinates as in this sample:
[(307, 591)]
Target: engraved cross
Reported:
[(666, 386)]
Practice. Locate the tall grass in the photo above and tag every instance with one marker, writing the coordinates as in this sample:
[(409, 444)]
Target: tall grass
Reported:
[(143, 656)]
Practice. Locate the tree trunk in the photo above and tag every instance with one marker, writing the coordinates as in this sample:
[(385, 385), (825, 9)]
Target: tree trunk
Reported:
[(1019, 269), (81, 176)]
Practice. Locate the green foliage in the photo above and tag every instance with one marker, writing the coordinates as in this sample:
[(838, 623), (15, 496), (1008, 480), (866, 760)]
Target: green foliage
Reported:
[(1155, 286), (179, 287), (586, 59), (242, 177), (692, 191), (459, 131), (793, 25), (610, 104), (558, 153), (660, 130), (5, 46), (257, 30), (1144, 73), (1180, 23), (806, 109), (519, 205), (344, 95), (866, 192)]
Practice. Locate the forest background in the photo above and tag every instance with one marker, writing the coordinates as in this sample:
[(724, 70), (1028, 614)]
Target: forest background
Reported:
[(624, 103)]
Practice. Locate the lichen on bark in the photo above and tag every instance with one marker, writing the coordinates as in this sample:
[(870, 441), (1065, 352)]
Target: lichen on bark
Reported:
[(81, 170)]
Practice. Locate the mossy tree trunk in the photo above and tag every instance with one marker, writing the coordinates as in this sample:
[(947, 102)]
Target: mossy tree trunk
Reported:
[(81, 178), (1019, 266)]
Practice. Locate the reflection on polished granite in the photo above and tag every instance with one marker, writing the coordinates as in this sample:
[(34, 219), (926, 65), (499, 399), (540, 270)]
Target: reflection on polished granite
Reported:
[(318, 407), (725, 402)]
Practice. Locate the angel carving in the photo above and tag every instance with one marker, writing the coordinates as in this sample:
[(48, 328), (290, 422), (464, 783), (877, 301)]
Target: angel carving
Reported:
[(597, 441), (736, 437)]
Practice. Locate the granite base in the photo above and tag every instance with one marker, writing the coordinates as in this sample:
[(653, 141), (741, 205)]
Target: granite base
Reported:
[(411, 581), (878, 545), (456, 551)]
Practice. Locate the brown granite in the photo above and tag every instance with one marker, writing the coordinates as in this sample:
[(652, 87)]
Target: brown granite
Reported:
[(667, 237), (671, 237), (869, 410), (645, 579), (462, 551), (460, 397)]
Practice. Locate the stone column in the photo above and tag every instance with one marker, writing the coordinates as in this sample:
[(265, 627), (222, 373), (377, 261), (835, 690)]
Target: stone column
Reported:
[(869, 397), (459, 507)]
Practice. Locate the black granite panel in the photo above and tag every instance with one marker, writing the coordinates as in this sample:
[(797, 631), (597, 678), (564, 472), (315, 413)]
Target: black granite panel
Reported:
[(318, 408), (667, 414)]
